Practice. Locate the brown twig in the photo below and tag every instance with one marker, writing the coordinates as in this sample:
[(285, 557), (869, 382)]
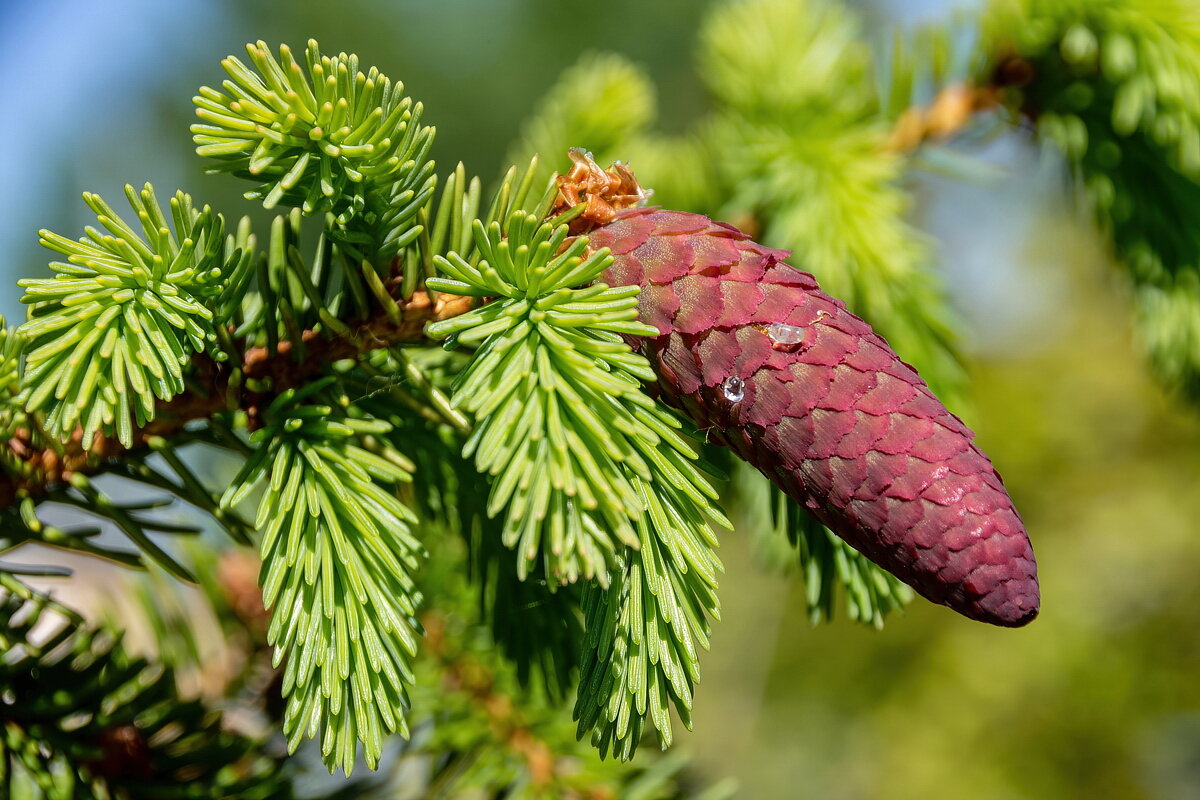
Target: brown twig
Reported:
[(37, 469), (949, 113), (955, 106)]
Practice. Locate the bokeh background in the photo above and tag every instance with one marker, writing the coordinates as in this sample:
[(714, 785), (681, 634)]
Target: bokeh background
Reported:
[(1099, 698)]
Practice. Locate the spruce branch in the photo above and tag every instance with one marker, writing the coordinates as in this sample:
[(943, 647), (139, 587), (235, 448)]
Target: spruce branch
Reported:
[(337, 561), (561, 420), (645, 630), (114, 331), (35, 466), (534, 622), (12, 412), (576, 449), (322, 136), (585, 476), (292, 313)]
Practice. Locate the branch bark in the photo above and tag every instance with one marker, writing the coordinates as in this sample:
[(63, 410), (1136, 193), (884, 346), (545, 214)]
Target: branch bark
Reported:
[(33, 468)]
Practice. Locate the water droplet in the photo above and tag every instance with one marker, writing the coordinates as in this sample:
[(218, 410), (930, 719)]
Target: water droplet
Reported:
[(735, 388), (785, 335)]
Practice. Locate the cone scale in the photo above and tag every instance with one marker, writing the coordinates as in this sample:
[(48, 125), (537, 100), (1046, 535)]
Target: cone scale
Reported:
[(767, 364)]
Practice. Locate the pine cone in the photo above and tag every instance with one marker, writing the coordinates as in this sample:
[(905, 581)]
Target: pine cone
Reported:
[(766, 363)]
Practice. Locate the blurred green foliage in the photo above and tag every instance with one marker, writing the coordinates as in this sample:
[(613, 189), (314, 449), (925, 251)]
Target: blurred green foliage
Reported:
[(1116, 85)]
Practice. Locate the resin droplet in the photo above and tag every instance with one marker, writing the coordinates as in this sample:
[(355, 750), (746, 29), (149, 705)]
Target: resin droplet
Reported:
[(735, 389), (783, 336)]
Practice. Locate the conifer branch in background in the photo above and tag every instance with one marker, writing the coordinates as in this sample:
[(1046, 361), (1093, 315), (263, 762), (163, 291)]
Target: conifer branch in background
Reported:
[(1114, 86), (114, 725)]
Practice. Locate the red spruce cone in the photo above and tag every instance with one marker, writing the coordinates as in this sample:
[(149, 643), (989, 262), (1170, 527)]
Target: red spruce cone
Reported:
[(766, 363)]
